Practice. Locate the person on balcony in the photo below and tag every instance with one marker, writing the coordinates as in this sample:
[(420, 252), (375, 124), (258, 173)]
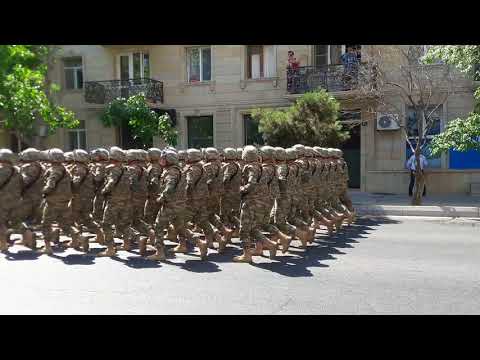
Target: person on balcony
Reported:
[(292, 71), (350, 63)]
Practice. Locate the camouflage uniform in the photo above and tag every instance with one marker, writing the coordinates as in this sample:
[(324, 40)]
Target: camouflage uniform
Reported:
[(29, 211), (58, 193), (83, 191), (197, 193), (153, 177), (232, 177), (138, 178), (117, 193), (10, 193), (97, 168), (283, 200)]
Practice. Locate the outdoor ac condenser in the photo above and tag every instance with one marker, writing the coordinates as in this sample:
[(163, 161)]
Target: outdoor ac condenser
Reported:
[(386, 121)]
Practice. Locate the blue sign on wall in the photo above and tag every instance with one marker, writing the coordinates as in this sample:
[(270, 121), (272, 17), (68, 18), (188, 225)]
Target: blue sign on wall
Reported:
[(464, 160)]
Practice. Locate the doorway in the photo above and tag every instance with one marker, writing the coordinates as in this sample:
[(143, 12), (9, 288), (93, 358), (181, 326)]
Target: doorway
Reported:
[(351, 148), (200, 131)]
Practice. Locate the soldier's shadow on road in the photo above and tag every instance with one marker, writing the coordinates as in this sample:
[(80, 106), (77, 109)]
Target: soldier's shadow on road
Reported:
[(22, 255), (324, 248)]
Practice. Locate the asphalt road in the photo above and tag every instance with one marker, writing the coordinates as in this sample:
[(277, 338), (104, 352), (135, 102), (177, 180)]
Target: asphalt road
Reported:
[(377, 266)]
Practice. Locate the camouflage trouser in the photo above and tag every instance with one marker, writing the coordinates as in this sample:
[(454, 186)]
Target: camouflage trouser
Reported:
[(98, 205), (267, 223), (213, 209), (196, 212), (151, 210), (116, 212), (28, 213), (169, 213), (252, 213), (345, 199), (280, 214), (294, 217), (82, 213), (230, 209), (59, 212), (139, 224)]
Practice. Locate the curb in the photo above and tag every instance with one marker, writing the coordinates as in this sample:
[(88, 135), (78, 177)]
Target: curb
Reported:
[(428, 211)]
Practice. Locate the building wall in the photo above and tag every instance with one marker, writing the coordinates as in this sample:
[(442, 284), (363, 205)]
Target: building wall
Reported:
[(229, 95)]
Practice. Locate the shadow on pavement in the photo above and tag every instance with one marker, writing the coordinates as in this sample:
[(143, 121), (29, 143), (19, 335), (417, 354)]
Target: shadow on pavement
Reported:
[(323, 248), (22, 255)]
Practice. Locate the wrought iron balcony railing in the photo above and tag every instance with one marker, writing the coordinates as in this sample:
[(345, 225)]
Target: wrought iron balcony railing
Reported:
[(103, 92), (330, 78)]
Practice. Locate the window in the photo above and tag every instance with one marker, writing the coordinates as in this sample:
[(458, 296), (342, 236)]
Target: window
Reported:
[(250, 128), (135, 65), (199, 64), (435, 128), (73, 73), (77, 138), (261, 61), (200, 131), (332, 54)]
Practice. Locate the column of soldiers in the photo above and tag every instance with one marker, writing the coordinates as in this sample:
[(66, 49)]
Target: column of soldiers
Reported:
[(265, 196)]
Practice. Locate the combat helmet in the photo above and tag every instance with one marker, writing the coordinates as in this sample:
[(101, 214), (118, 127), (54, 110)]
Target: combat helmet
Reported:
[(154, 154), (291, 154), (30, 154), (182, 155), (280, 154), (308, 151), (56, 155), (81, 156), (211, 153), (267, 153), (194, 155), (250, 154), (300, 149), (7, 155), (99, 154), (117, 154), (171, 157), (69, 156), (230, 154)]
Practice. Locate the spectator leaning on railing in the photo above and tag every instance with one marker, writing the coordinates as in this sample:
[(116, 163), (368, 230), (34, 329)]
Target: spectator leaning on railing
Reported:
[(350, 61), (292, 69)]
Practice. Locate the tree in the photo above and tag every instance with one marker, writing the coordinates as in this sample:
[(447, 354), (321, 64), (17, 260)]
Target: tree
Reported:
[(26, 94), (312, 120), (459, 134), (143, 121), (394, 76)]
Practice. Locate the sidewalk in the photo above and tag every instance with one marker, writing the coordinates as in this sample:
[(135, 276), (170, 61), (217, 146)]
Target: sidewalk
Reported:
[(455, 205)]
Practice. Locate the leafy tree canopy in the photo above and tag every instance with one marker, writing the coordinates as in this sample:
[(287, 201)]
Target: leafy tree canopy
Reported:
[(312, 120), (144, 122), (459, 134), (25, 93)]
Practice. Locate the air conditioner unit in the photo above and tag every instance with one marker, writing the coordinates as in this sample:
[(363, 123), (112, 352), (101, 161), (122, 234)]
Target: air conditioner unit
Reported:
[(386, 121)]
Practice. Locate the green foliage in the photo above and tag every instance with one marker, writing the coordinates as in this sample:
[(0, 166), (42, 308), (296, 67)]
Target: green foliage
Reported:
[(24, 96), (143, 121), (312, 121), (459, 134)]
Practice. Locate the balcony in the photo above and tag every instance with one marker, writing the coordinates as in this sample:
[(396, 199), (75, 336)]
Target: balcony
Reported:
[(103, 92), (332, 78)]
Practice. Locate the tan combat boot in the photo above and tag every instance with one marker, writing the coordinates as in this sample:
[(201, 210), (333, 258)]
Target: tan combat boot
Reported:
[(142, 246), (3, 242), (258, 250), (100, 237), (246, 257), (181, 247), (302, 236), (228, 234), (109, 251), (209, 239), (285, 241), (28, 239), (85, 243), (203, 247), (222, 244), (272, 247), (75, 243), (47, 249), (159, 254), (171, 233)]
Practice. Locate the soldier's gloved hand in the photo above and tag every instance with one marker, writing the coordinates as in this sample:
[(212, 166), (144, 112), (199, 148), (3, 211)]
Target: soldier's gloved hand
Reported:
[(161, 199)]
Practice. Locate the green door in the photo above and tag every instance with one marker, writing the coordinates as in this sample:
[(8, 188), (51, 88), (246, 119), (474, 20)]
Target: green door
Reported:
[(352, 157), (200, 131), (351, 148)]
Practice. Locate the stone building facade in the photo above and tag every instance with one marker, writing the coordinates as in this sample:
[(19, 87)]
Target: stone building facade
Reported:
[(211, 89)]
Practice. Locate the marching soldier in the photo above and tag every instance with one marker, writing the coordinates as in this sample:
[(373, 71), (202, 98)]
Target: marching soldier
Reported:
[(99, 161)]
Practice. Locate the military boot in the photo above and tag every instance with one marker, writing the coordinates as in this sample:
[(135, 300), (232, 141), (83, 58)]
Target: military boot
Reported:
[(284, 240), (171, 233), (203, 247), (47, 249), (85, 243), (222, 244), (29, 239), (3, 242), (181, 247), (302, 236), (246, 257), (209, 239), (228, 234), (258, 249), (75, 243), (56, 237), (159, 254), (271, 246), (100, 237), (109, 251)]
